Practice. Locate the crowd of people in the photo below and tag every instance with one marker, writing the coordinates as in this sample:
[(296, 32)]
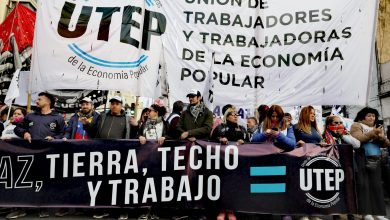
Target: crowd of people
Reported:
[(271, 125)]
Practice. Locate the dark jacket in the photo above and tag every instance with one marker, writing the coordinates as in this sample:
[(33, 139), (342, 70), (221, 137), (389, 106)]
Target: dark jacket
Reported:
[(113, 127), (40, 126), (230, 131), (172, 120), (1, 127), (200, 128), (91, 128)]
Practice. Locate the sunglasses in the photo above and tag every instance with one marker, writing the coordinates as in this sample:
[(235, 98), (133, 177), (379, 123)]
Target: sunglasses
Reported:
[(337, 122)]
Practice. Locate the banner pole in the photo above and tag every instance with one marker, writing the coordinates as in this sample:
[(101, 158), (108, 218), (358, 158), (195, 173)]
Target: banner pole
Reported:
[(9, 111), (29, 102), (31, 74), (136, 106), (377, 2)]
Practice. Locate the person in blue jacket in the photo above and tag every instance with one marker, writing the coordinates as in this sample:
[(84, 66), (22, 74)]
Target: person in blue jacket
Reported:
[(83, 124), (276, 130)]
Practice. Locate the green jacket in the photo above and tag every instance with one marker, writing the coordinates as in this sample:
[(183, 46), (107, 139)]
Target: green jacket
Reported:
[(200, 129)]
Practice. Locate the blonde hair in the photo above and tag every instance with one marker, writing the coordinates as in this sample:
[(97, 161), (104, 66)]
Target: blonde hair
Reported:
[(228, 112)]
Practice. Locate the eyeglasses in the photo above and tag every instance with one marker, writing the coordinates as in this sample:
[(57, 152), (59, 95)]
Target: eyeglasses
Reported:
[(337, 122), (235, 115)]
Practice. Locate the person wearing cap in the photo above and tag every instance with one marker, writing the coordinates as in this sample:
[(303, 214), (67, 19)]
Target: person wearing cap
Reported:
[(83, 124), (45, 123), (196, 122), (114, 124)]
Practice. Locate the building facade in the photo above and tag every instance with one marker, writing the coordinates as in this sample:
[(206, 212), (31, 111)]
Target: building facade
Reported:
[(6, 6)]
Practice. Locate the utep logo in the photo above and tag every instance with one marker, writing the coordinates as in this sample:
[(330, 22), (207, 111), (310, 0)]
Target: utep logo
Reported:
[(127, 25), (320, 177)]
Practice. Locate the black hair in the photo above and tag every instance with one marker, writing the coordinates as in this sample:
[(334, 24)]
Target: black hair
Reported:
[(23, 110), (5, 111), (161, 110), (361, 115), (262, 110), (178, 106), (50, 97), (226, 107), (144, 111)]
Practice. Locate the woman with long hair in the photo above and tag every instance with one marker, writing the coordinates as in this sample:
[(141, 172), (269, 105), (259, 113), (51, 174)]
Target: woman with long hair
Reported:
[(276, 130), (370, 196), (262, 112), (306, 130)]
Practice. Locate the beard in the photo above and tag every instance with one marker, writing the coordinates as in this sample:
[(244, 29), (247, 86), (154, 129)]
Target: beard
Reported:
[(86, 111)]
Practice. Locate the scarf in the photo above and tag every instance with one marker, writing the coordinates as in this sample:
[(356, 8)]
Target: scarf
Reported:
[(252, 130), (151, 123), (335, 128), (17, 120), (330, 134), (88, 116), (197, 110), (153, 128), (329, 139)]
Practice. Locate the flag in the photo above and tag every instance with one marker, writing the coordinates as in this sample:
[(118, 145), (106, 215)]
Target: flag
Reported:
[(13, 90), (208, 93), (337, 110), (21, 23)]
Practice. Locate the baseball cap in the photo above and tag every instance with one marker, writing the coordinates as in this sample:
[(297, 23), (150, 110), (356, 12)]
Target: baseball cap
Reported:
[(116, 99), (193, 92), (86, 99)]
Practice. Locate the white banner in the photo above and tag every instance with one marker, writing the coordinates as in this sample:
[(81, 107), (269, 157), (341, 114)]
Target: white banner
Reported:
[(98, 45), (271, 51)]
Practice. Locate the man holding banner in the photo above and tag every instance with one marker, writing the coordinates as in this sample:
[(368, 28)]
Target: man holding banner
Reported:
[(44, 123)]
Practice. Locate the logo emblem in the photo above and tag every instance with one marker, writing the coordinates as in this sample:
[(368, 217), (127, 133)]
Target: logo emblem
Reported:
[(53, 126), (321, 177)]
